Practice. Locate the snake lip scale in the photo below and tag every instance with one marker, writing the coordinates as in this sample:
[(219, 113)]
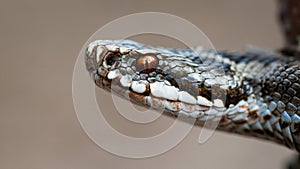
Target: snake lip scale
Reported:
[(252, 94)]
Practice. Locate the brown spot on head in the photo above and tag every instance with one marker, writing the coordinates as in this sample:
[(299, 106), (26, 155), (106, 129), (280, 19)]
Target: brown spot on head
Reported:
[(146, 63)]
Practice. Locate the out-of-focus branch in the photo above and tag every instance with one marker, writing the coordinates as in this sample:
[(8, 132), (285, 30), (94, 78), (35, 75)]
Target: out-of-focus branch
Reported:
[(289, 13), (290, 18)]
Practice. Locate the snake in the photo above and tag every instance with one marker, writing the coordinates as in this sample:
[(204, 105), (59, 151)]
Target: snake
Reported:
[(253, 93)]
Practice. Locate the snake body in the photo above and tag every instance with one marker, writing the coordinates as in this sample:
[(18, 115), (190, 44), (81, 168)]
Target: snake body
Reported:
[(253, 94)]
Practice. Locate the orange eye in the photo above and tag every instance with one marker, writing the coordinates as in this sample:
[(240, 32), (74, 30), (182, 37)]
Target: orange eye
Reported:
[(146, 63)]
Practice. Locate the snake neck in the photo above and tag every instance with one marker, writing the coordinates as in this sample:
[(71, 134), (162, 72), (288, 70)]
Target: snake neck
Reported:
[(275, 82)]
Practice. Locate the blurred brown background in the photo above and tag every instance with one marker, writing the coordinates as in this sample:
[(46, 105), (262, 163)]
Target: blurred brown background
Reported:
[(40, 41)]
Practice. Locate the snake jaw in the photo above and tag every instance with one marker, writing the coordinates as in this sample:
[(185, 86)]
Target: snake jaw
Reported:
[(191, 85), (163, 80), (138, 68)]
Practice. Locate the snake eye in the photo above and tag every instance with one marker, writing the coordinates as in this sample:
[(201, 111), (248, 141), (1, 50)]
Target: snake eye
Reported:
[(110, 59), (146, 63)]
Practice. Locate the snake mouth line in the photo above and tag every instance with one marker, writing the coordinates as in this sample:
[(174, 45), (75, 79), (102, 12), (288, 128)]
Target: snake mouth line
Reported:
[(215, 111), (256, 96), (172, 69), (203, 109)]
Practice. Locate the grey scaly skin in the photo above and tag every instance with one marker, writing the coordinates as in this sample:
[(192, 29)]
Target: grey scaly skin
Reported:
[(246, 93)]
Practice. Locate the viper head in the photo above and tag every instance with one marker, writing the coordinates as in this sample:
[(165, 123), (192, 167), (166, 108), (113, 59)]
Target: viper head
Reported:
[(143, 72)]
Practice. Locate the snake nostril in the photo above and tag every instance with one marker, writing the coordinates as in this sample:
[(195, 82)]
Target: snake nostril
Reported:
[(110, 59)]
